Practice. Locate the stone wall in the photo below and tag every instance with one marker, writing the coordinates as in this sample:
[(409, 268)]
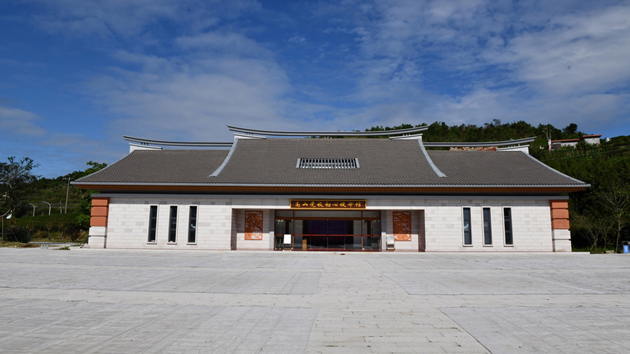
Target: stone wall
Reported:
[(531, 224), (128, 223), (241, 242), (220, 222)]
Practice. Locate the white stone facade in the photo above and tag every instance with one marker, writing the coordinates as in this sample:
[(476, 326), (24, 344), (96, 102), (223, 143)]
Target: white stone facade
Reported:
[(128, 222), (531, 224), (220, 222), (241, 243)]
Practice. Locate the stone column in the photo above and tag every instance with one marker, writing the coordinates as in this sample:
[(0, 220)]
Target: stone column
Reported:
[(383, 230), (272, 225), (560, 225), (98, 222)]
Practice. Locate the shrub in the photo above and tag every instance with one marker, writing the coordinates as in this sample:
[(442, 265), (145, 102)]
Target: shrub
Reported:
[(16, 233), (73, 231), (83, 221)]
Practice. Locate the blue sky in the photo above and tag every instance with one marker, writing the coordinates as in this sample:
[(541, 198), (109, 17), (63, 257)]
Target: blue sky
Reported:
[(76, 75)]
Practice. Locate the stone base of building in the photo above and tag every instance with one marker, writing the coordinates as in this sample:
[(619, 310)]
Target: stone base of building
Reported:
[(561, 241), (97, 237)]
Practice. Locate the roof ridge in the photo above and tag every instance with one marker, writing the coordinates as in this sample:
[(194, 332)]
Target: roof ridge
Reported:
[(426, 156), (227, 158)]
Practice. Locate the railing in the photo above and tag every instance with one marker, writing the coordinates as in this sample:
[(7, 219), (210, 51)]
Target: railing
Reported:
[(329, 235), (304, 245)]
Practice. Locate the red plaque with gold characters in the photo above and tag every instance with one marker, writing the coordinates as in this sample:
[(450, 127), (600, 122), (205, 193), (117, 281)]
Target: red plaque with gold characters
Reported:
[(319, 204)]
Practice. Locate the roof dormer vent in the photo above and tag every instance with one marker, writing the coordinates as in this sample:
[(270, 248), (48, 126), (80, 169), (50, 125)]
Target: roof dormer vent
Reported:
[(327, 163)]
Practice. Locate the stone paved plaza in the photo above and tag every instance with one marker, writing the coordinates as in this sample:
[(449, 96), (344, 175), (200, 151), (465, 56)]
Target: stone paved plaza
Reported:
[(114, 301)]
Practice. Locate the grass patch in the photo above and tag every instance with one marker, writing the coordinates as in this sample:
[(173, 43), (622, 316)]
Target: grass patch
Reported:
[(598, 250), (55, 237), (17, 245)]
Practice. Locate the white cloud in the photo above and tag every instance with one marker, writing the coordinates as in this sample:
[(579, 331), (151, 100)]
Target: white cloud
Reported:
[(130, 17), (57, 153), (20, 122), (538, 62), (224, 44), (494, 59), (193, 95), (573, 54), (297, 39)]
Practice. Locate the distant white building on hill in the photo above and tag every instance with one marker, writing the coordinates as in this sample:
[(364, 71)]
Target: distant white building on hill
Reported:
[(589, 139)]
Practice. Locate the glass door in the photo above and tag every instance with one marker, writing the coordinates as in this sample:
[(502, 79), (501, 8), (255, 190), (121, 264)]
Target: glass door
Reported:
[(328, 230)]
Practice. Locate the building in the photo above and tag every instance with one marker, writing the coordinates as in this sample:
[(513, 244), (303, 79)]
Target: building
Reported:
[(589, 139), (353, 194)]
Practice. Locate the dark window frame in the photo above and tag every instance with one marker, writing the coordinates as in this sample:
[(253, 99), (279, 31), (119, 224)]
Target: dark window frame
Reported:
[(508, 226), (467, 234), (172, 225), (152, 234), (487, 226), (192, 224)]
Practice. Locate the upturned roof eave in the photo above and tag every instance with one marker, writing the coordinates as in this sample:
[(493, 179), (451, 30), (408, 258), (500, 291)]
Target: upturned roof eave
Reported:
[(77, 183)]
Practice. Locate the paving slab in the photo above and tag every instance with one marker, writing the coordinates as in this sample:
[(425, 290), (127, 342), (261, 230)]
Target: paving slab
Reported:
[(43, 326), (126, 301), (547, 329)]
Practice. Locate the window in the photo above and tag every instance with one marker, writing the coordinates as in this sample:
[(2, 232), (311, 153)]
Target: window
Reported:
[(507, 219), (152, 222), (192, 225), (172, 225), (487, 227), (467, 228)]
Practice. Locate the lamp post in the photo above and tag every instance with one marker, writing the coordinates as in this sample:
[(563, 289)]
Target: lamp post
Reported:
[(67, 192), (33, 205), (3, 216), (49, 206)]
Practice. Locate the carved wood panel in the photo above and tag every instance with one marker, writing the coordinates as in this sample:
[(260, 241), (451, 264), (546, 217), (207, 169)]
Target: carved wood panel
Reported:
[(402, 225), (254, 225)]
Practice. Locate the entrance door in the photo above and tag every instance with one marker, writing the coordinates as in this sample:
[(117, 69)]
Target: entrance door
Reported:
[(329, 230)]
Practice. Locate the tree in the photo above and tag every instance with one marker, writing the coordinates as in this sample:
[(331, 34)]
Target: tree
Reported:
[(94, 167), (570, 129), (595, 227), (85, 204), (15, 180), (615, 201)]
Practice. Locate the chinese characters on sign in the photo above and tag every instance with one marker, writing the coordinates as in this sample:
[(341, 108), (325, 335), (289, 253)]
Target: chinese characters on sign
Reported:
[(328, 204)]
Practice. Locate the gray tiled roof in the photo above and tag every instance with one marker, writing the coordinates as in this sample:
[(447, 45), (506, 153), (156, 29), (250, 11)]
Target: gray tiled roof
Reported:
[(161, 166), (382, 162), (272, 161), (496, 168)]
